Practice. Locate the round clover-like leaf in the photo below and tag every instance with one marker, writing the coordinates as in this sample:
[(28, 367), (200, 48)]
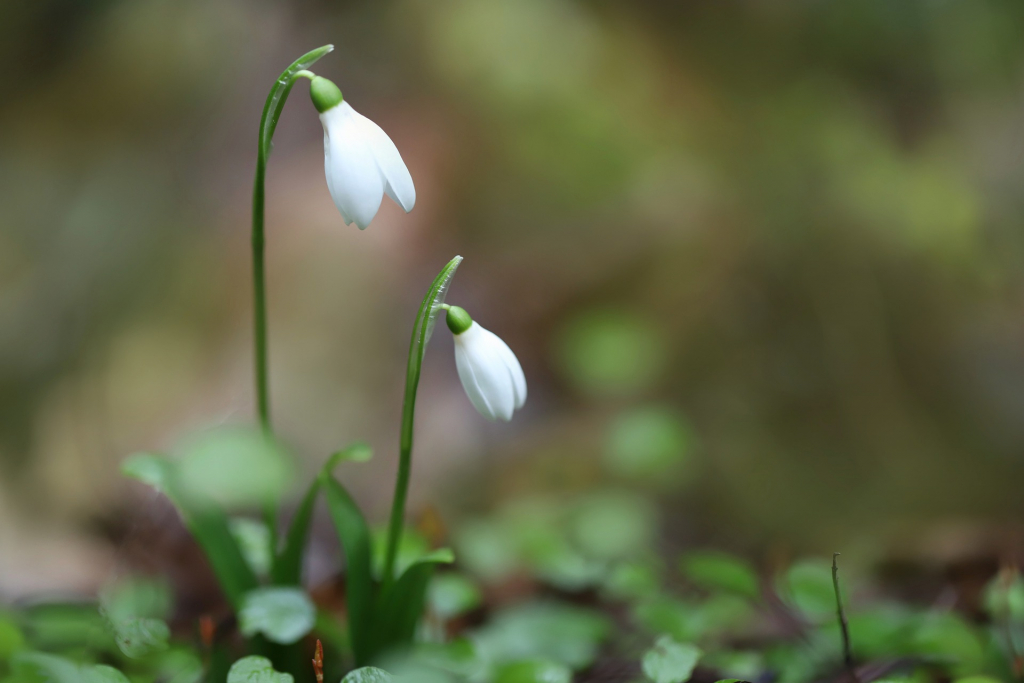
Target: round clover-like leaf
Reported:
[(255, 669), (670, 661), (283, 615), (533, 671), (368, 674), (720, 571)]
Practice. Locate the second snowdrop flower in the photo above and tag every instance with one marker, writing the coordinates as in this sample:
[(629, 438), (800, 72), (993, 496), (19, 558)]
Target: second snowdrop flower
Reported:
[(361, 161), (489, 371)]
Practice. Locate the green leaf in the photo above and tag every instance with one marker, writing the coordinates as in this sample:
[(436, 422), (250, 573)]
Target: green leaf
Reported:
[(253, 538), (613, 525), (368, 674), (402, 603), (137, 637), (411, 547), (232, 467), (948, 637), (152, 469), (670, 661), (556, 632), (533, 671), (282, 614), (279, 95), (807, 585), (256, 670), (11, 638), (360, 589), (287, 569), (206, 523), (53, 669), (650, 443), (452, 594), (609, 353), (360, 451), (720, 571), (137, 597)]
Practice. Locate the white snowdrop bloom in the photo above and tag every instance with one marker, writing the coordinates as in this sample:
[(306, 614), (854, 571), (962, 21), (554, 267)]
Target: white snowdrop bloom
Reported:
[(489, 371), (361, 161)]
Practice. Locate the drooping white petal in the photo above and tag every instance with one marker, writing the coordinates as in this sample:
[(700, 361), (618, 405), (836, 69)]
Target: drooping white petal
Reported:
[(490, 373), (397, 180), (353, 176), (515, 370)]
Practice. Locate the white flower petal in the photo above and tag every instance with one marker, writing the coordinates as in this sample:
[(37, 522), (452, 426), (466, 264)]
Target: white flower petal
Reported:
[(484, 373), (515, 370), (397, 180), (353, 177)]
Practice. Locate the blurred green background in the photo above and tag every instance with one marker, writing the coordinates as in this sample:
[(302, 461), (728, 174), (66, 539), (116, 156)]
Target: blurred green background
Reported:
[(761, 261)]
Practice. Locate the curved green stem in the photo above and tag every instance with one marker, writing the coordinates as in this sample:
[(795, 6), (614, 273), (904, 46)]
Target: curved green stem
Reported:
[(421, 331), (268, 122), (271, 113)]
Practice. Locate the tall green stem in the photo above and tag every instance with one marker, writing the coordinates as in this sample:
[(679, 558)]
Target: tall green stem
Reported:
[(421, 331)]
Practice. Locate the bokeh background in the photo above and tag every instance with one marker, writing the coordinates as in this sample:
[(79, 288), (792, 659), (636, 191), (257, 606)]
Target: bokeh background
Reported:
[(761, 261)]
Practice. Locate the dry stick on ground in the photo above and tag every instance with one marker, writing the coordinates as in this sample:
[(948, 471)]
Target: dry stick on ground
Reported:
[(843, 626)]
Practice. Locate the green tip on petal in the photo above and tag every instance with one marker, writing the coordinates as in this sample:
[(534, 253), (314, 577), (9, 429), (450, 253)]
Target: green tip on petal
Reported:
[(458, 320), (324, 94)]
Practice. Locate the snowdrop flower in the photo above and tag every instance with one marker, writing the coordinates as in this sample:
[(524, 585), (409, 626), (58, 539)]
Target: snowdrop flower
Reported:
[(361, 161), (489, 371)]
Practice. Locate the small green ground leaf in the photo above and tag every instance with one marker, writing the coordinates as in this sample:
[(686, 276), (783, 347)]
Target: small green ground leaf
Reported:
[(650, 443), (233, 467), (253, 539), (533, 671), (720, 571), (137, 637), (11, 638), (452, 594), (256, 670), (670, 661), (282, 614), (53, 669), (560, 633), (807, 585), (613, 525), (368, 674)]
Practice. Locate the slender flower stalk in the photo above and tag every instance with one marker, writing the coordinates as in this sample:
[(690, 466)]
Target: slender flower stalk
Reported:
[(490, 374), (421, 331), (268, 123)]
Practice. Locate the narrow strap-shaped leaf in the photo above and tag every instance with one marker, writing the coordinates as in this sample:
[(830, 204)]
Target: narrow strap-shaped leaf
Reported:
[(208, 525), (287, 569), (359, 585), (401, 604)]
